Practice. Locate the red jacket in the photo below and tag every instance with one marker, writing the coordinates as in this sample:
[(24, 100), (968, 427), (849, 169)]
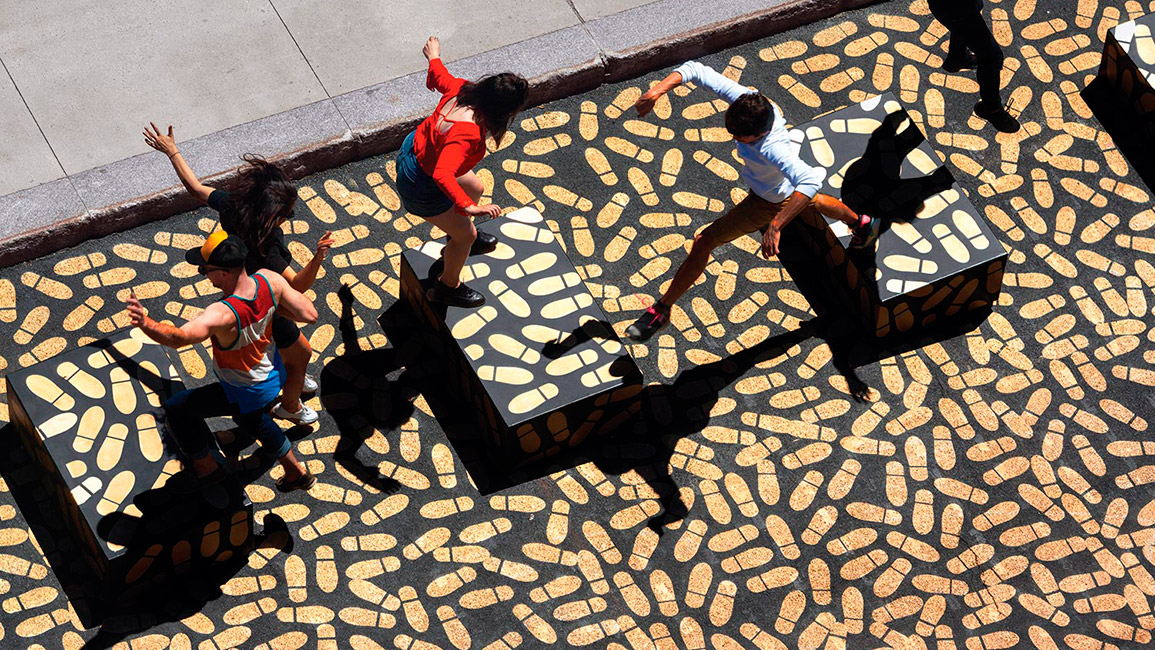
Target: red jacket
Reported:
[(446, 149)]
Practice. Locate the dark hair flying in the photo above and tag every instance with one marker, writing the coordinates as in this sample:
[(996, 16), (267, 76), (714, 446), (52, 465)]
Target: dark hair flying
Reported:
[(264, 195), (495, 101)]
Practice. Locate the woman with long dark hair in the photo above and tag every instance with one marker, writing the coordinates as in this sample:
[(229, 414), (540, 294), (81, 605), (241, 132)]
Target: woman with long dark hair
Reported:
[(434, 167), (263, 200)]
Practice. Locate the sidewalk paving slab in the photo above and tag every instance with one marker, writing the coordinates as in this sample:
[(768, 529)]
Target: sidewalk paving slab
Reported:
[(26, 160), (557, 64), (133, 61), (594, 9), (357, 43), (375, 119)]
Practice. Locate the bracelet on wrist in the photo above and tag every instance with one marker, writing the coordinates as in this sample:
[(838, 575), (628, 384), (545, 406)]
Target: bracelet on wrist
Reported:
[(173, 154)]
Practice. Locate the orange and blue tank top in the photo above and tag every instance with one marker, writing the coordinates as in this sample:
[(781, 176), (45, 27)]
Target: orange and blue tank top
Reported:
[(250, 370)]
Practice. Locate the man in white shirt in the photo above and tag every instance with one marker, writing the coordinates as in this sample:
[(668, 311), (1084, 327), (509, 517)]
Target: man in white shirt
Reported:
[(781, 186)]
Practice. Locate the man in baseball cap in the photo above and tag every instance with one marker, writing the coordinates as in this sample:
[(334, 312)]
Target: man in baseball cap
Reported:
[(244, 360), (221, 251)]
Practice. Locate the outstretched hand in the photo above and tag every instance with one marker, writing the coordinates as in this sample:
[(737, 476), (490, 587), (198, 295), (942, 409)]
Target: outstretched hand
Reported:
[(165, 144), (646, 102), (325, 243), (432, 49), (135, 310)]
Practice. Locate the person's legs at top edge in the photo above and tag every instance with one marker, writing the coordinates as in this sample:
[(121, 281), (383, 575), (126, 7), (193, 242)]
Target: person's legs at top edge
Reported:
[(969, 30), (751, 214)]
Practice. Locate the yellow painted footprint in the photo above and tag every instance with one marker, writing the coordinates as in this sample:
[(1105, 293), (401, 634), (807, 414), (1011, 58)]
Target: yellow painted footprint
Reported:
[(533, 264), (970, 229), (512, 302), (123, 393), (955, 248), (566, 306), (118, 489), (601, 166), (148, 437), (86, 490), (112, 447), (317, 205), (531, 399), (473, 323), (526, 233), (505, 375), (47, 390), (83, 382)]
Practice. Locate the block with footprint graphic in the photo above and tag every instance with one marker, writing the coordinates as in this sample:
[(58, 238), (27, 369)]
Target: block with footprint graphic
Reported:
[(538, 362), (935, 256), (91, 420), (1127, 69)]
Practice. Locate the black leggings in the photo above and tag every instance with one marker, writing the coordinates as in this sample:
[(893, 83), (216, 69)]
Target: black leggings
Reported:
[(285, 332), (969, 31)]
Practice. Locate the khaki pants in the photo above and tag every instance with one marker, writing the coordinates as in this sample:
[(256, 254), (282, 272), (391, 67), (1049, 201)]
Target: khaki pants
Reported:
[(753, 213)]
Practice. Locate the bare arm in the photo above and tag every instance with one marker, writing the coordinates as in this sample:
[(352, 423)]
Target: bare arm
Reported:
[(290, 302), (304, 280), (793, 206), (645, 103), (166, 144), (215, 319)]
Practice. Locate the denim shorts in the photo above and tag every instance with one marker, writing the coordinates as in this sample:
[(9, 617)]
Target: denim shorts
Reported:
[(420, 196)]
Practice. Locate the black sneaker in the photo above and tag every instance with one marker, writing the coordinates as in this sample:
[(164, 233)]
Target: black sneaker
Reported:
[(866, 232), (966, 62), (649, 323), (462, 296), (998, 117), (485, 243)]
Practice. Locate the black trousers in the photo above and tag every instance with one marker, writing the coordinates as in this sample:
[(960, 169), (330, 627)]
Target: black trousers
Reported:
[(969, 31)]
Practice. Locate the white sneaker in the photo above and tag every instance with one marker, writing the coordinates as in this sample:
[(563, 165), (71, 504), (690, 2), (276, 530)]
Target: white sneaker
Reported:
[(304, 416), (310, 385)]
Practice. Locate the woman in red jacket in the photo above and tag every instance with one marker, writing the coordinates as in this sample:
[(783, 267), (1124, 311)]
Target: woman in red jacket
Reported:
[(434, 167)]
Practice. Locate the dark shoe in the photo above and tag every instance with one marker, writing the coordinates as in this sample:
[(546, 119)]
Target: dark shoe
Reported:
[(866, 232), (649, 323), (302, 482), (462, 296), (485, 243), (967, 62), (998, 117)]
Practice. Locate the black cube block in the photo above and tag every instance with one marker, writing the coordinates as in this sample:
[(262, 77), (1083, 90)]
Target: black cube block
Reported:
[(935, 257), (538, 364), (1125, 85), (91, 421)]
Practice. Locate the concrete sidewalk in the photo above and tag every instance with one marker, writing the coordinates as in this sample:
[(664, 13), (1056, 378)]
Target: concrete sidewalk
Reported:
[(315, 84)]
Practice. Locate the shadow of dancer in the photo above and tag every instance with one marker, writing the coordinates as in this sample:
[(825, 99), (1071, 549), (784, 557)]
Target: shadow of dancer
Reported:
[(679, 410), (874, 185), (364, 391)]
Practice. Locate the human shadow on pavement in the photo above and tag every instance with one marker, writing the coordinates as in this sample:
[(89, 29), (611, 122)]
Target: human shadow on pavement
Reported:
[(365, 391), (160, 578), (874, 185)]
